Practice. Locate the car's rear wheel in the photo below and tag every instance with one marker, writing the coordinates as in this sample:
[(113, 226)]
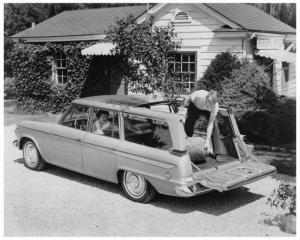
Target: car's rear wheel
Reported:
[(32, 157), (137, 188)]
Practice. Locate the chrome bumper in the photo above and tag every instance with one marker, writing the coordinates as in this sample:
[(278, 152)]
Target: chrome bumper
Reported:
[(191, 190)]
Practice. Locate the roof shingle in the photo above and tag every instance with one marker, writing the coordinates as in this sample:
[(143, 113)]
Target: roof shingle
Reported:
[(251, 18), (80, 22), (95, 21)]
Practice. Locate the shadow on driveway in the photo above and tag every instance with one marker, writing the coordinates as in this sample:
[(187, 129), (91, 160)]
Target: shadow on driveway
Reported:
[(214, 203)]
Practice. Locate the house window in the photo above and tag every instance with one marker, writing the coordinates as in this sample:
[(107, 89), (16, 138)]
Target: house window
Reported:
[(59, 69), (285, 68), (184, 65)]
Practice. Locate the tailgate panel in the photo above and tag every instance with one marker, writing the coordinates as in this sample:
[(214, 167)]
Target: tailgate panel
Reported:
[(233, 175)]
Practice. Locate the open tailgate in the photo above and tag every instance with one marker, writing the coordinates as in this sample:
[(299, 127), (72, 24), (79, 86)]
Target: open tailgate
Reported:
[(232, 175)]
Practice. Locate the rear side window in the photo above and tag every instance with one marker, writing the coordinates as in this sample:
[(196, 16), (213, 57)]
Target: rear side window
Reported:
[(147, 131)]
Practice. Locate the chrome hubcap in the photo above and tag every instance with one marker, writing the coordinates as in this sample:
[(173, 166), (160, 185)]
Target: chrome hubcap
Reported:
[(30, 155), (135, 184)]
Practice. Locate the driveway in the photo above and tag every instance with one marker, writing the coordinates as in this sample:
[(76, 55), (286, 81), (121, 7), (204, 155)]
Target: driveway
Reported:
[(58, 202)]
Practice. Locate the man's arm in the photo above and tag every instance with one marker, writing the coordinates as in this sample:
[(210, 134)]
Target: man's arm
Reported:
[(210, 127), (183, 104)]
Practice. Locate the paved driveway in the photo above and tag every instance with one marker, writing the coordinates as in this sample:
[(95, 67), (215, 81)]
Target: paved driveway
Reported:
[(58, 202)]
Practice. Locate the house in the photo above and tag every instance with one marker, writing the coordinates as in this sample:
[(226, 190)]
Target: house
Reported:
[(205, 29)]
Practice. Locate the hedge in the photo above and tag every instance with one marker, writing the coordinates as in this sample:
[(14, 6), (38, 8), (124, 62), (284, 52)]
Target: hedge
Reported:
[(32, 70)]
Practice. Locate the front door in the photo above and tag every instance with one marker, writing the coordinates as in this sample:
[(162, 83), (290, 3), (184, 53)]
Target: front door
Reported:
[(64, 144), (100, 144)]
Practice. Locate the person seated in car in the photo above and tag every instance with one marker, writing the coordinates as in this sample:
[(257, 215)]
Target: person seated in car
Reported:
[(101, 122)]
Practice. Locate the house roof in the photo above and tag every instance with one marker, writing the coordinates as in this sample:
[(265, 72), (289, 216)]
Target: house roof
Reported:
[(93, 22), (250, 18), (80, 22)]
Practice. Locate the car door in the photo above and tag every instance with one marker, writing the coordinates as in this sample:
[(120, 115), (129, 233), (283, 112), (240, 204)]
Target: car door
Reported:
[(99, 146), (63, 145)]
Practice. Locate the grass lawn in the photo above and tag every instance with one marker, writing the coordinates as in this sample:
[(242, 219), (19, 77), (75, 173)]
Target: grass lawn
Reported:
[(13, 116)]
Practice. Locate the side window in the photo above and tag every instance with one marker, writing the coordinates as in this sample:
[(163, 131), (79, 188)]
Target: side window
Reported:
[(77, 117), (147, 131), (105, 123)]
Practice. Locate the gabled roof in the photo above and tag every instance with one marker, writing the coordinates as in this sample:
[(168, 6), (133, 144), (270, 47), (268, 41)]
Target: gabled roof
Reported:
[(80, 22), (250, 18), (90, 24)]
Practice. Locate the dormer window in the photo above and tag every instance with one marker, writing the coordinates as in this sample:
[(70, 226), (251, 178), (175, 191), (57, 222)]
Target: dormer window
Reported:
[(181, 17)]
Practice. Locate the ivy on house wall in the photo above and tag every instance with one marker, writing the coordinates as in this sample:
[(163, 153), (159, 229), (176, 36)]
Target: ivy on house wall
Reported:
[(32, 70)]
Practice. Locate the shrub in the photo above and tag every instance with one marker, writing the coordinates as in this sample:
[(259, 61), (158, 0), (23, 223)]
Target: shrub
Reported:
[(284, 197), (273, 125), (247, 89), (219, 69), (32, 64), (9, 88)]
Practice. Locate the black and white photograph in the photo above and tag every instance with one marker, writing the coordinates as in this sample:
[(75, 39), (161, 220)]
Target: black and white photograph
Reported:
[(149, 119)]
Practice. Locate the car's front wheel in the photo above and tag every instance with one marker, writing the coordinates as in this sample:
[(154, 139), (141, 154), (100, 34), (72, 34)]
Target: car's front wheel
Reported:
[(32, 157), (137, 188)]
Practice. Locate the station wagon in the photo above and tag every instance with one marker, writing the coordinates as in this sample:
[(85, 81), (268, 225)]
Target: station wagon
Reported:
[(144, 148)]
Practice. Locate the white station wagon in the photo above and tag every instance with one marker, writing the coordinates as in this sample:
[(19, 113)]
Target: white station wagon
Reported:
[(143, 146)]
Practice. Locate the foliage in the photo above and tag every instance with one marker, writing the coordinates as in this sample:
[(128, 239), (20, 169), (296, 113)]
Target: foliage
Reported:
[(272, 125), (219, 69), (32, 69), (9, 88), (147, 49), (286, 12), (284, 197), (247, 89), (19, 16)]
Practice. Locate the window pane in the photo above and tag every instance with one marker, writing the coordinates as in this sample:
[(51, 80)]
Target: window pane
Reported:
[(185, 67), (192, 57), (177, 67), (105, 123), (192, 67), (63, 63), (192, 77), (185, 57), (77, 118), (64, 72), (59, 72), (58, 63), (178, 58), (147, 131)]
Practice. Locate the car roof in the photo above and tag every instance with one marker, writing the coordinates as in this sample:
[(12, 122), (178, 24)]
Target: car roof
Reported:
[(125, 100)]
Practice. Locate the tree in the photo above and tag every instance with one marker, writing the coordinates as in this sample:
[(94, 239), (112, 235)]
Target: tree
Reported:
[(147, 50), (286, 12)]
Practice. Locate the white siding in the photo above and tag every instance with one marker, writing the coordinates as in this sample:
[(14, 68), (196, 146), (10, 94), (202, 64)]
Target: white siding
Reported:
[(197, 35), (292, 80)]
